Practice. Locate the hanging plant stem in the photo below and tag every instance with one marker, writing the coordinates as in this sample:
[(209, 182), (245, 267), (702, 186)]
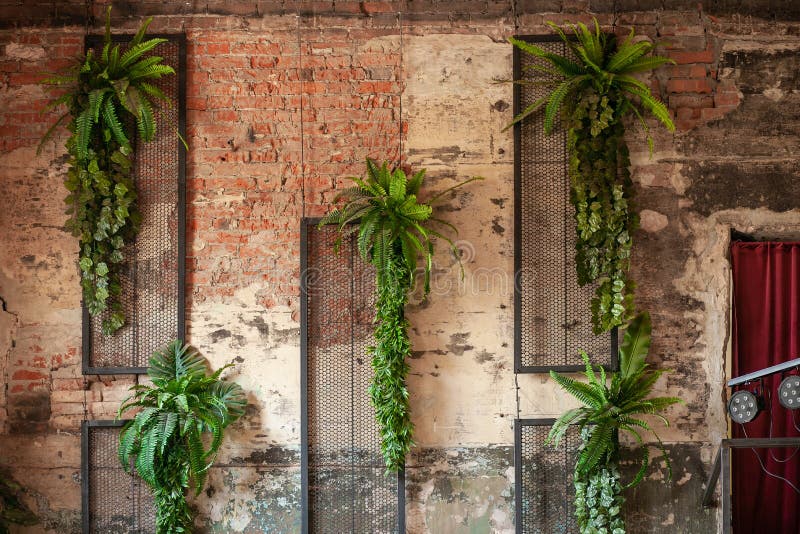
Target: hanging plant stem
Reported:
[(394, 228), (594, 89), (602, 194), (109, 98), (388, 390)]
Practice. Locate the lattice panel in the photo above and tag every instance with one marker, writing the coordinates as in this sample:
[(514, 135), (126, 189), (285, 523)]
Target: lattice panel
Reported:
[(347, 490), (544, 490), (153, 273), (554, 313), (113, 500)]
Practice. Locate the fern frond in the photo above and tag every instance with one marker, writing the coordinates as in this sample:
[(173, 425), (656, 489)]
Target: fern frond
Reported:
[(583, 392)]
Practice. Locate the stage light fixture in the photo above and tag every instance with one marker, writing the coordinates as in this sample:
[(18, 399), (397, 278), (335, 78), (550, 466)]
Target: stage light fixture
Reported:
[(744, 406), (789, 392)]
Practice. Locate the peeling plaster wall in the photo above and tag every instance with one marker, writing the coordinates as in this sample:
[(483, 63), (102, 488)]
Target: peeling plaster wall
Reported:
[(732, 164)]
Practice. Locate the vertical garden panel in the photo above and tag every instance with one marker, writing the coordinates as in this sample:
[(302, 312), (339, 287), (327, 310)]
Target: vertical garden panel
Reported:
[(552, 313), (345, 487), (113, 500), (544, 492), (153, 273)]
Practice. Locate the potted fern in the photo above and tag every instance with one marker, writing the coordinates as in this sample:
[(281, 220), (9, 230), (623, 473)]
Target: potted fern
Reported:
[(109, 97), (394, 228), (610, 405), (594, 89), (164, 440)]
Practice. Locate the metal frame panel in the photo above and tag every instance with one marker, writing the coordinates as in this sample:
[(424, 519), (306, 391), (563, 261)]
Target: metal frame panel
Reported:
[(519, 366), (86, 344), (520, 499), (86, 489), (306, 226), (722, 465)]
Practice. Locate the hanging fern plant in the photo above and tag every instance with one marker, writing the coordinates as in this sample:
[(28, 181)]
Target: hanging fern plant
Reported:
[(595, 90), (109, 97), (164, 441), (610, 405), (394, 228)]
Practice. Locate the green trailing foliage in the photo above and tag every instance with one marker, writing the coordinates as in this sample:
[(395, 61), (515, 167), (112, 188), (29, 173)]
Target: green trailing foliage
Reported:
[(12, 510), (164, 442), (594, 90), (109, 98), (394, 228), (610, 405)]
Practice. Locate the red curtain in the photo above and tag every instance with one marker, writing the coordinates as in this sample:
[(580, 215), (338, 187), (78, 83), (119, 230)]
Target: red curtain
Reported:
[(766, 331)]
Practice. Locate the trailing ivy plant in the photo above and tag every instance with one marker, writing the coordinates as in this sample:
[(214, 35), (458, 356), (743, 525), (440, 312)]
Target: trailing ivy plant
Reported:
[(164, 442), (594, 90), (394, 228), (109, 97), (610, 405)]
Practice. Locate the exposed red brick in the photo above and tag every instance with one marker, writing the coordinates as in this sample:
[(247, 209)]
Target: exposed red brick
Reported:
[(26, 374)]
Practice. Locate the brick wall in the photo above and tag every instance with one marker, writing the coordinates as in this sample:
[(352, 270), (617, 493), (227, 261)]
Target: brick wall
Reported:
[(281, 108)]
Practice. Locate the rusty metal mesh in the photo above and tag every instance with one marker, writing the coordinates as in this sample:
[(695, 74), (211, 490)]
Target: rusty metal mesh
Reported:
[(150, 276), (555, 311), (118, 502), (546, 486), (348, 490)]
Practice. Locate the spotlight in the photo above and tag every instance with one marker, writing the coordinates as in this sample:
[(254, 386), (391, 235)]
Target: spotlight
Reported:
[(789, 392), (744, 406)]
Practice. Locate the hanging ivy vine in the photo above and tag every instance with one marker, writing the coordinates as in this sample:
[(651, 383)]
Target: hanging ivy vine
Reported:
[(393, 229), (109, 97), (595, 90)]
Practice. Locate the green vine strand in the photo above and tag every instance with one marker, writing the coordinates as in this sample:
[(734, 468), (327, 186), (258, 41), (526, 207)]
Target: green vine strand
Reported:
[(602, 194), (109, 98), (388, 391)]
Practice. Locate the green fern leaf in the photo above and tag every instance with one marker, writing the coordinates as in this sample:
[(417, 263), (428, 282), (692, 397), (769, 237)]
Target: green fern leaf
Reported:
[(135, 51), (83, 132)]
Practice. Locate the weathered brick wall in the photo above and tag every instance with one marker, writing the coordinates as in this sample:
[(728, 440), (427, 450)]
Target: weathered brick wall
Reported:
[(281, 108)]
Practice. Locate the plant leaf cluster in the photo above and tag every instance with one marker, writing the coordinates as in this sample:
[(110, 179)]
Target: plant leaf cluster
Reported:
[(106, 94), (393, 230), (164, 442), (594, 89), (612, 404), (599, 500)]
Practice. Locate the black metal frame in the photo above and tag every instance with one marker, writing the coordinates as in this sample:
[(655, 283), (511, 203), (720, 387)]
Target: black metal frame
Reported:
[(517, 108), (722, 463), (305, 224), (86, 344), (518, 497), (86, 426)]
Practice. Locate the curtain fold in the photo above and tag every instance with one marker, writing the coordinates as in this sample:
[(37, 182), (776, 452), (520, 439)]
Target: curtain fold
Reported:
[(766, 331)]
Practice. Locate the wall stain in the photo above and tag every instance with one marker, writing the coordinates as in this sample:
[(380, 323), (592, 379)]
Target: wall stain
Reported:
[(458, 344)]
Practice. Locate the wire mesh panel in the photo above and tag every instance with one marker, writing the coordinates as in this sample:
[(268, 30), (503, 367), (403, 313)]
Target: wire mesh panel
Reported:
[(153, 273), (552, 312), (345, 487), (544, 491), (113, 500)]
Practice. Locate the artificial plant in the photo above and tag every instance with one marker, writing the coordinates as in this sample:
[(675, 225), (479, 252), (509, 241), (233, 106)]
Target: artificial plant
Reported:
[(164, 440), (610, 405), (594, 88), (109, 96), (12, 510), (393, 229)]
